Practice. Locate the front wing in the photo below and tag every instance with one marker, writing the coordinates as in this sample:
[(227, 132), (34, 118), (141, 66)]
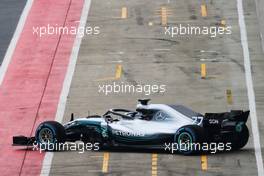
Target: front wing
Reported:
[(23, 141)]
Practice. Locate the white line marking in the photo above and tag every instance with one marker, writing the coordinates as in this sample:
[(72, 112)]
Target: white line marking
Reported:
[(119, 52), (14, 40), (116, 61), (250, 88), (208, 60), (204, 51), (46, 165), (161, 49)]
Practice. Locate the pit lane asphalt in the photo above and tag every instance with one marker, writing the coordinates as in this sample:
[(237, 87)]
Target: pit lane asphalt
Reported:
[(148, 56), (10, 11)]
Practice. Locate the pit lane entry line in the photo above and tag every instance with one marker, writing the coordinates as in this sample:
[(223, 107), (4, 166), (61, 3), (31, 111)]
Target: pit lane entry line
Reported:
[(250, 88)]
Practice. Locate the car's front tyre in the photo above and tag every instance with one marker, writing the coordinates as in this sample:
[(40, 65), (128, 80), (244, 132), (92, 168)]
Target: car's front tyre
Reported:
[(49, 134)]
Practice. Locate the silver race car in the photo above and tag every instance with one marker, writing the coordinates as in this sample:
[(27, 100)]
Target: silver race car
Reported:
[(149, 126)]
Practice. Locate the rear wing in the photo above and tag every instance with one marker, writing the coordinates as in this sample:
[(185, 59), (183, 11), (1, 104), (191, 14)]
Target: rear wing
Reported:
[(233, 115)]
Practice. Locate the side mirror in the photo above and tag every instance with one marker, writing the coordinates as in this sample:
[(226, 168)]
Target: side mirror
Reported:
[(108, 119)]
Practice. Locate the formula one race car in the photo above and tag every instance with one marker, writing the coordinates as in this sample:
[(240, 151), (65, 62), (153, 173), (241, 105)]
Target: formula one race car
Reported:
[(150, 126)]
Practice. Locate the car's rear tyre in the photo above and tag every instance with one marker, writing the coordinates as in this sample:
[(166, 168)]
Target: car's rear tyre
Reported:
[(189, 138), (240, 137), (49, 135)]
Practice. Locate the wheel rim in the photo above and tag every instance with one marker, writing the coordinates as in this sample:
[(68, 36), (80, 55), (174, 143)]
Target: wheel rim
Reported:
[(185, 139), (239, 127), (45, 135)]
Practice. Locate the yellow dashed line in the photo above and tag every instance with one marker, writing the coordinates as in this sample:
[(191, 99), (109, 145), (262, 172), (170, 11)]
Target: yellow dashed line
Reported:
[(154, 165), (117, 76), (204, 10), (118, 71), (203, 71), (204, 162), (124, 12), (105, 162), (164, 13), (164, 16), (229, 96), (223, 23)]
